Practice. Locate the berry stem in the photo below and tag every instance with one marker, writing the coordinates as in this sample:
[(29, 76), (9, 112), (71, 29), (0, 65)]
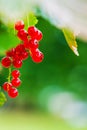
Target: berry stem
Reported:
[(9, 75), (14, 31), (28, 20)]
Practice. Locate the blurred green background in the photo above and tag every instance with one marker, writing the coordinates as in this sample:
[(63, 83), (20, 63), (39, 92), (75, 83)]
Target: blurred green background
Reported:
[(53, 94)]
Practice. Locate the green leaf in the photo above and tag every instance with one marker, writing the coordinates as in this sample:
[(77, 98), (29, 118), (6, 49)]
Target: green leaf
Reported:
[(2, 98), (70, 38), (32, 20), (8, 40)]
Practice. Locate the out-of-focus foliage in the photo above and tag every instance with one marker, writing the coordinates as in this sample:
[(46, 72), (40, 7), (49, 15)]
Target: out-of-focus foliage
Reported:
[(2, 98), (71, 40), (8, 39), (32, 19)]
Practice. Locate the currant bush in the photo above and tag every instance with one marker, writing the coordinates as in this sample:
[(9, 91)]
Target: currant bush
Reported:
[(14, 57)]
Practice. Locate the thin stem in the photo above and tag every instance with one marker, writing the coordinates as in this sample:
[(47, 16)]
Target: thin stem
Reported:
[(14, 27), (9, 75), (9, 78), (14, 31), (28, 20)]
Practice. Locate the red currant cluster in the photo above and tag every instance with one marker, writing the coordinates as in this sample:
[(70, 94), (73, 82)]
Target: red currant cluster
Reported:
[(8, 86), (29, 46)]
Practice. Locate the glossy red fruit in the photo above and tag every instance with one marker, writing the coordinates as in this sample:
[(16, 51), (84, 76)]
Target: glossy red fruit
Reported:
[(17, 63), (7, 86), (11, 52), (37, 56), (6, 62), (22, 34), (21, 53), (20, 48), (35, 33), (15, 73), (31, 44), (39, 35), (16, 82), (13, 92), (24, 55), (25, 43), (19, 25), (32, 31)]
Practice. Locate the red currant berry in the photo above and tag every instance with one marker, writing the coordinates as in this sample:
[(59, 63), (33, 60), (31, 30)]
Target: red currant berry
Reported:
[(16, 82), (6, 62), (24, 55), (11, 52), (20, 48), (39, 35), (22, 34), (32, 31), (15, 73), (19, 25), (17, 63), (35, 33), (7, 86), (33, 44), (13, 93), (26, 44), (37, 56), (8, 53)]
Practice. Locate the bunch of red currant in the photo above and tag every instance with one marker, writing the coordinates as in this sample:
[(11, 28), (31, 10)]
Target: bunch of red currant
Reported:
[(14, 57)]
